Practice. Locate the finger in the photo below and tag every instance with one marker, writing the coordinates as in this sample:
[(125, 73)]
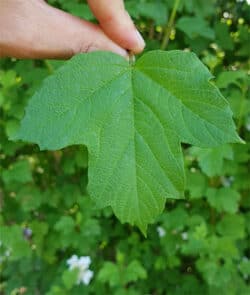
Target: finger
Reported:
[(117, 24), (33, 29)]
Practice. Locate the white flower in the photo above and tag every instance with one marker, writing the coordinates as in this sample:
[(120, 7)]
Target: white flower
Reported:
[(73, 262), (82, 264), (184, 236), (248, 1), (85, 277), (161, 231)]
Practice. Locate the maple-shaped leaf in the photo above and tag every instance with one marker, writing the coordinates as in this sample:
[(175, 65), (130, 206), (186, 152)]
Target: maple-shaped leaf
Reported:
[(132, 118)]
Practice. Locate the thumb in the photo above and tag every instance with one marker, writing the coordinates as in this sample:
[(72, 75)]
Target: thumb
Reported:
[(33, 29)]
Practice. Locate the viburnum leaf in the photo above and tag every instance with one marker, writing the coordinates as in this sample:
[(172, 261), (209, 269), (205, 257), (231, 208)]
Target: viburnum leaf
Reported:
[(132, 118)]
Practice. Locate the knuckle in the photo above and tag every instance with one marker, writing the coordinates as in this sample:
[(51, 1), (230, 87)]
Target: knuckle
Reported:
[(83, 48)]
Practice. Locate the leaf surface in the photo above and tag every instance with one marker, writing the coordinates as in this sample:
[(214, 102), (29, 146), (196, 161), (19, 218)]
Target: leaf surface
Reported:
[(132, 118), (195, 26)]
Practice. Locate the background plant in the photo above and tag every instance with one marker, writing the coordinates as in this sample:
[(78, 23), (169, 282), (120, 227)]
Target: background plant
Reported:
[(198, 246)]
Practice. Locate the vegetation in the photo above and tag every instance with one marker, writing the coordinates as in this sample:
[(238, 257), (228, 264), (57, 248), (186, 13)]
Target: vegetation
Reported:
[(55, 238)]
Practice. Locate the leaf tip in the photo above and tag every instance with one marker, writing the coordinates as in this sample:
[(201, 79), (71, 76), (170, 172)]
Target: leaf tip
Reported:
[(240, 140), (143, 230)]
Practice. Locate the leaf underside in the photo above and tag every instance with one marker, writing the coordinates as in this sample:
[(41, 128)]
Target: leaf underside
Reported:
[(132, 118)]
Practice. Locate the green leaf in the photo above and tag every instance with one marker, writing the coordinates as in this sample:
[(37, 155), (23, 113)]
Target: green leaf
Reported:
[(11, 127), (232, 226), (126, 291), (154, 10), (81, 157), (214, 274), (65, 224), (211, 160), (132, 118), (176, 219), (39, 230), (222, 247), (19, 172), (114, 275), (134, 272), (200, 7), (223, 199), (29, 197), (109, 273), (69, 278), (231, 77), (239, 105), (196, 184), (13, 239), (194, 27), (8, 79), (223, 38), (244, 36), (1, 99)]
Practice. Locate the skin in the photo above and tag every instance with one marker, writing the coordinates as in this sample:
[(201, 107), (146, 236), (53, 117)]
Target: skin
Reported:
[(34, 29)]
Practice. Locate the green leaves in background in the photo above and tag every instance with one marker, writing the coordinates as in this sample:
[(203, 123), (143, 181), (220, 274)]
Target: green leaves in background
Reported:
[(211, 159), (224, 40), (12, 239), (132, 118), (198, 246), (195, 27), (224, 199), (120, 275), (153, 10), (19, 172)]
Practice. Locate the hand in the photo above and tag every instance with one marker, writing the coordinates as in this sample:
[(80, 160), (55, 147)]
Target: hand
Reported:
[(34, 29)]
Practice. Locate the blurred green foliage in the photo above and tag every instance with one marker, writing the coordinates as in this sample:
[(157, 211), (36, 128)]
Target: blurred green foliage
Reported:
[(200, 245)]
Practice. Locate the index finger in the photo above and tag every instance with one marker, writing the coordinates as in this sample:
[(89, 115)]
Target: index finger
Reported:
[(117, 24)]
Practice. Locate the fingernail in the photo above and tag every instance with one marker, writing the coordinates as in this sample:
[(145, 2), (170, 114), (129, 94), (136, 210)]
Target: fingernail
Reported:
[(135, 38), (140, 41)]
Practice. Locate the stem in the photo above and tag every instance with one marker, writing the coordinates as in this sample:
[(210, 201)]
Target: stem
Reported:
[(212, 216), (169, 25), (131, 58), (49, 66), (151, 30)]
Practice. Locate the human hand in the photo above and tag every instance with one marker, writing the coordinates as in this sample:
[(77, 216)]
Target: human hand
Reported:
[(34, 29)]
